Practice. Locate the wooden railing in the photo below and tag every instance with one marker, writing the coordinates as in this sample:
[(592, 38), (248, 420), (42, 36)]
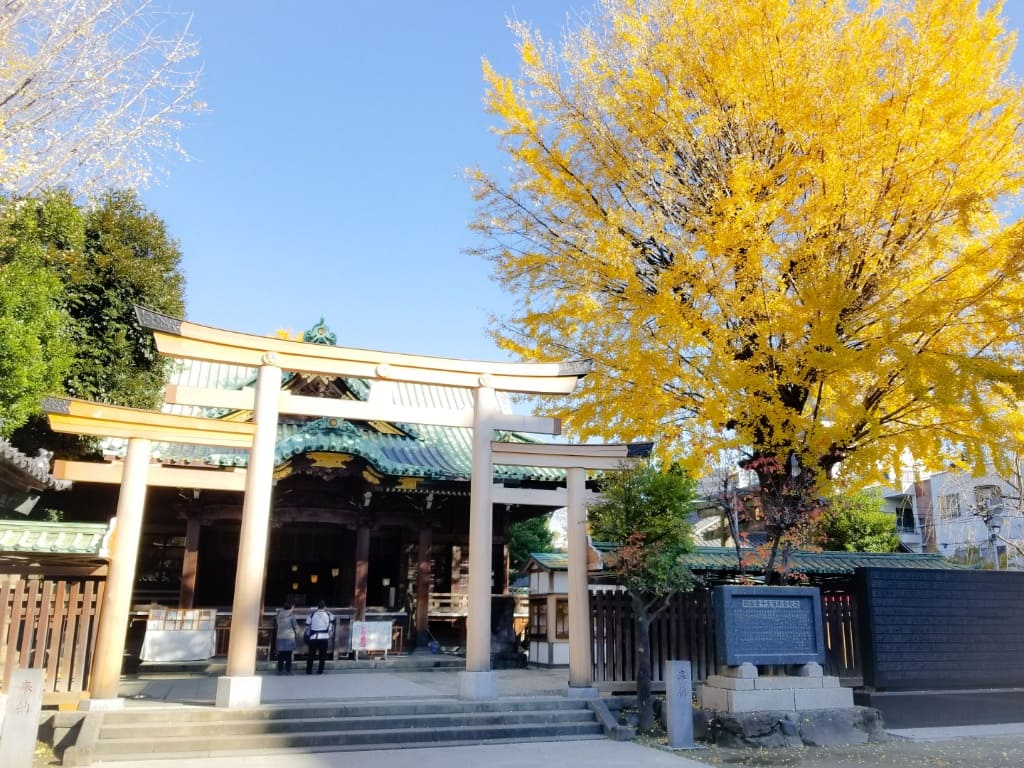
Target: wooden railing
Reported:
[(447, 605)]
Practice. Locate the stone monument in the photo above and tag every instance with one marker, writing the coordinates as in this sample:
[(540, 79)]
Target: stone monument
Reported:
[(759, 632)]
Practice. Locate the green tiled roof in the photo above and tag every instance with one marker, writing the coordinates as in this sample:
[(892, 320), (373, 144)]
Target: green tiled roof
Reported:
[(831, 563), (54, 538), (553, 561), (723, 559)]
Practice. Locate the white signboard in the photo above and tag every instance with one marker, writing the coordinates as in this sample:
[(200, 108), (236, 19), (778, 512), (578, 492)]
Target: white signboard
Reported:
[(179, 635), (371, 636)]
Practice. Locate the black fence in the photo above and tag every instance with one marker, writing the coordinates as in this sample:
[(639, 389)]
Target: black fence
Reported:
[(941, 630)]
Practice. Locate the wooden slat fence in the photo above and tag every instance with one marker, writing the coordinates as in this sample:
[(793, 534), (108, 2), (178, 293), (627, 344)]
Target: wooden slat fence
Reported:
[(839, 611), (684, 631), (49, 624), (687, 631)]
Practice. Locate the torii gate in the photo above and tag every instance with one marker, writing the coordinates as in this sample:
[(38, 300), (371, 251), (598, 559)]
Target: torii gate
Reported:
[(141, 428), (240, 686), (575, 460)]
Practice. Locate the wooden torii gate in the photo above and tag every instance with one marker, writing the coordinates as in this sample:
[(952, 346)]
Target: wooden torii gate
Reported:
[(240, 687)]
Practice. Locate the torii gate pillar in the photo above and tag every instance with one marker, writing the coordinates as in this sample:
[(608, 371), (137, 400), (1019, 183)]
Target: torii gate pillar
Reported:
[(479, 681), (581, 675), (113, 626), (241, 687)]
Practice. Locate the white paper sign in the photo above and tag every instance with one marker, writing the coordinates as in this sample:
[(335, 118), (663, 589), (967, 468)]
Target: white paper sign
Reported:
[(371, 635)]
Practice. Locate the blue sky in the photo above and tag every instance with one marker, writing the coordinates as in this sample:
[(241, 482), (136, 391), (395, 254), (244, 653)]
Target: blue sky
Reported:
[(327, 177)]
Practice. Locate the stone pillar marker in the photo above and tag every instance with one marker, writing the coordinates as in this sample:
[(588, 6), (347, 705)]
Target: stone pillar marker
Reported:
[(240, 687), (679, 704), (114, 610), (479, 682), (20, 722)]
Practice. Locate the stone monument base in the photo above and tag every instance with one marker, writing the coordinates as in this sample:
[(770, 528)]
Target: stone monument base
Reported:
[(742, 689), (817, 728)]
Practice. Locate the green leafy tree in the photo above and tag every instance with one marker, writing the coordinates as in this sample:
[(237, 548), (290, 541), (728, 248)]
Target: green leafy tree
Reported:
[(95, 264), (527, 537), (35, 350), (645, 513), (129, 259), (857, 522)]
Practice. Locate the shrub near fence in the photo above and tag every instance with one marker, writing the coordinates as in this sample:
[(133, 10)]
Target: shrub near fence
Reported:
[(50, 624), (686, 630)]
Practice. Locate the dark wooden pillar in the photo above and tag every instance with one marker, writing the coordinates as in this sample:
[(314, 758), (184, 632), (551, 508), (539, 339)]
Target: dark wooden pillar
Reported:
[(189, 564), (423, 582), (362, 571), (499, 567), (499, 553)]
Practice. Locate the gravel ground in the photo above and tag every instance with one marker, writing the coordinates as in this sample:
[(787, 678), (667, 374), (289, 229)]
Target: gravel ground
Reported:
[(969, 752)]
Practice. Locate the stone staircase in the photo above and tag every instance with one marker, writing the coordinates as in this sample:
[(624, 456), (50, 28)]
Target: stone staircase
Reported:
[(199, 732)]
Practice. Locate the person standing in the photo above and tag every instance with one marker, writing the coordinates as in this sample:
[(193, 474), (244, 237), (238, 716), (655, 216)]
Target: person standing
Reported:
[(318, 624), (285, 638)]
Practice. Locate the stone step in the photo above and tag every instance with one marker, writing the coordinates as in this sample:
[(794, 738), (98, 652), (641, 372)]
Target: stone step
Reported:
[(264, 751), (381, 709), (181, 728), (380, 738), (146, 732)]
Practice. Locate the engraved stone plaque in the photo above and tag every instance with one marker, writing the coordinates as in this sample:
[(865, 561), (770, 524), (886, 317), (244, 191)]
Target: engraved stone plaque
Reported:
[(768, 625)]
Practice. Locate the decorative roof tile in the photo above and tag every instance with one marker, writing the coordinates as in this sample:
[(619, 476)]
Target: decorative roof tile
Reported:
[(723, 560), (55, 538), (29, 472)]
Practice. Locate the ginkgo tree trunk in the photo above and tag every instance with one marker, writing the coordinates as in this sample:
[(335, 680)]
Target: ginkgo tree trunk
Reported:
[(778, 226)]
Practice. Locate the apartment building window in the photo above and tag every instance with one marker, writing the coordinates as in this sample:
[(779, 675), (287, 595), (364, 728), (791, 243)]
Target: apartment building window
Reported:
[(949, 506), (905, 520), (989, 498)]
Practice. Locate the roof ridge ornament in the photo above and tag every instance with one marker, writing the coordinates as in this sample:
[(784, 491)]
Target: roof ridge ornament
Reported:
[(320, 334)]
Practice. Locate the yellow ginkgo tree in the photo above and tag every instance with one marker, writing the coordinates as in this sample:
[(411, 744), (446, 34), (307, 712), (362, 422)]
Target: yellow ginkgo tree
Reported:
[(779, 226)]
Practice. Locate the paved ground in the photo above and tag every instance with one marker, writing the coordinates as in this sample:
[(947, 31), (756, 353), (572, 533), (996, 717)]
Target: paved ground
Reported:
[(974, 747)]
